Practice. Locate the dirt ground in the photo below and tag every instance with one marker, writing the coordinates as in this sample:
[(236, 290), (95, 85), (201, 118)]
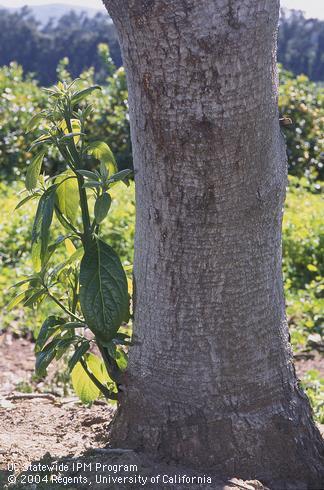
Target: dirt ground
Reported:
[(70, 440)]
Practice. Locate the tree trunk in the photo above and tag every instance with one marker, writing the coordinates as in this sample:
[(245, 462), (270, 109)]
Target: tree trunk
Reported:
[(211, 380)]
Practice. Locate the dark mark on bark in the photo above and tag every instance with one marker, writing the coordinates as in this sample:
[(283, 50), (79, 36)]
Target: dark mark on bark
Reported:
[(233, 17), (157, 216), (146, 81)]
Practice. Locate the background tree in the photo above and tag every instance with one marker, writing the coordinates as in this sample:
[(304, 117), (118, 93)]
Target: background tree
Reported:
[(39, 47), (211, 380), (301, 44)]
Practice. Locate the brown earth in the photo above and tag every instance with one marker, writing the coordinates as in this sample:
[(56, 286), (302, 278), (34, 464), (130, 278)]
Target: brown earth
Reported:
[(59, 429)]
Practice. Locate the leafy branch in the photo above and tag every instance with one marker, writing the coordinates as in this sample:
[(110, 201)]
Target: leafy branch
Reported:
[(92, 279)]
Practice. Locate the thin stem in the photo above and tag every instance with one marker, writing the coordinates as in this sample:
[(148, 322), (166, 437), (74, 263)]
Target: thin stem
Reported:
[(66, 155), (107, 393), (110, 363), (61, 305), (75, 293), (84, 209), (82, 192)]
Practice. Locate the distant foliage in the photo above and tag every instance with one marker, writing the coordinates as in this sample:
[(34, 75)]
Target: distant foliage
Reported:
[(301, 44), (19, 99), (303, 235), (39, 48), (313, 384), (303, 101), (303, 267)]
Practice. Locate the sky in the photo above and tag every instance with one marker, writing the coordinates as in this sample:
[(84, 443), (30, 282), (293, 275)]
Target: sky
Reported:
[(312, 8)]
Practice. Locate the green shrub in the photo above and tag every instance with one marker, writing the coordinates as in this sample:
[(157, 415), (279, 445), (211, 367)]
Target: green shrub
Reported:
[(303, 235), (303, 268), (305, 313), (303, 101), (15, 260), (20, 99), (90, 286), (14, 257), (313, 385)]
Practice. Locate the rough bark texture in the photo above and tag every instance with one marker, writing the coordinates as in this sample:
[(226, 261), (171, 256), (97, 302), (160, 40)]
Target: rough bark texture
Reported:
[(211, 380)]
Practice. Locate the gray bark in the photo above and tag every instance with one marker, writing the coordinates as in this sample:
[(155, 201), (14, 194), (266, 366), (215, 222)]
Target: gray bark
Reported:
[(211, 380)]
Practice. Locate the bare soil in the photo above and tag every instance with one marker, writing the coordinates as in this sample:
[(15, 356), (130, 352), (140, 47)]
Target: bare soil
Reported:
[(58, 429)]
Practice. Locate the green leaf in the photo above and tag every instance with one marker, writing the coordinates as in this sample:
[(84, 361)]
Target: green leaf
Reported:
[(70, 136), (69, 247), (64, 343), (53, 247), (85, 389), (102, 152), (72, 83), (38, 219), (46, 223), (45, 357), (121, 360), (82, 94), (79, 352), (60, 217), (87, 111), (90, 184), (44, 139), (35, 298), (33, 171), (55, 348), (111, 349), (75, 125), (312, 267), (24, 281), (122, 339), (34, 121), (103, 171), (103, 290), (52, 91), (101, 207), (48, 328), (16, 300), (122, 175), (42, 223), (73, 258), (88, 174), (67, 195), (36, 256), (69, 325), (26, 199)]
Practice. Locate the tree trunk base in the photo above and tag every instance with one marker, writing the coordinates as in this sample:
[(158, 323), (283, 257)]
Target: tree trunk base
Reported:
[(282, 449)]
